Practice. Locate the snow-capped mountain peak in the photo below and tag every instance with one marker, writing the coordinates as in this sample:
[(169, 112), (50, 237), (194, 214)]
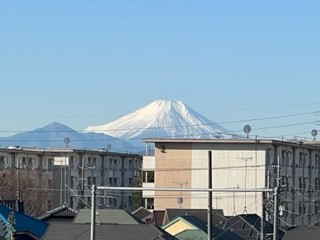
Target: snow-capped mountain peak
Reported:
[(161, 118)]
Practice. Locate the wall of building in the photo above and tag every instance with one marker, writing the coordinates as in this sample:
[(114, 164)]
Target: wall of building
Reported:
[(71, 181)]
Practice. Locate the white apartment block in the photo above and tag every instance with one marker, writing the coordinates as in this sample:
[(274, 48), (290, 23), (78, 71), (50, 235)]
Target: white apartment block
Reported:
[(66, 175), (237, 163)]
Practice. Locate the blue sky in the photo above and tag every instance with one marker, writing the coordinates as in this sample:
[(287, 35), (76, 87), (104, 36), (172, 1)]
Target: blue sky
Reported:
[(89, 62)]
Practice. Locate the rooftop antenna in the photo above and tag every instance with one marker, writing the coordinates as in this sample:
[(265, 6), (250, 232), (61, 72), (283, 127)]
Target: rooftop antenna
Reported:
[(314, 133), (108, 147), (247, 130), (218, 135), (66, 141)]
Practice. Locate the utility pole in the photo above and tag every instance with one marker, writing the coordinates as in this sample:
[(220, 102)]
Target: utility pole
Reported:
[(276, 202), (209, 195), (93, 213)]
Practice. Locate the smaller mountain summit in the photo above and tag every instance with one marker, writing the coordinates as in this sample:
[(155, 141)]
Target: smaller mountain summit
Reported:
[(162, 118), (54, 135)]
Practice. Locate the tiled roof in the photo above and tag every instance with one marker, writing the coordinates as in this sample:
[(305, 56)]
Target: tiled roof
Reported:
[(303, 232), (24, 223), (106, 231), (248, 226), (113, 216), (4, 232), (201, 225), (141, 213), (62, 211), (217, 214)]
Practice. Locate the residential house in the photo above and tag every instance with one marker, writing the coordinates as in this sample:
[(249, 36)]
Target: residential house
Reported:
[(191, 227)]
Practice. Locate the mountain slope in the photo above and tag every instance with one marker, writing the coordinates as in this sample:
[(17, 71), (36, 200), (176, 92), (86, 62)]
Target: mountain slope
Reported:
[(162, 118), (53, 135)]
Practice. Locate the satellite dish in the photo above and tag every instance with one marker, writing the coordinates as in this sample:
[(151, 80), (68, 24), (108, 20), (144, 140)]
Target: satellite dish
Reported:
[(66, 141), (180, 200), (247, 130), (314, 133)]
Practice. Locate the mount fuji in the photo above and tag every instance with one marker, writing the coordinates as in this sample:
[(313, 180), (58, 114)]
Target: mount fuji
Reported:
[(162, 118)]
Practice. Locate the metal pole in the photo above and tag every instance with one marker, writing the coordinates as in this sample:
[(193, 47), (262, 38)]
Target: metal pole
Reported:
[(209, 195), (93, 213), (276, 202), (276, 220)]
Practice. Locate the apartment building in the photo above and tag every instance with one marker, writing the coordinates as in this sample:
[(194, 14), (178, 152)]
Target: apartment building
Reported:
[(52, 177), (237, 163)]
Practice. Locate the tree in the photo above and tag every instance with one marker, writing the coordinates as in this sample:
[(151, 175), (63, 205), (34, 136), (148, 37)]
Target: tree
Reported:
[(28, 186)]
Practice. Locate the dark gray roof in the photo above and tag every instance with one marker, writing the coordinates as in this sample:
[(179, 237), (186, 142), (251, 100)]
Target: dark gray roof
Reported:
[(57, 231), (115, 216), (217, 214), (248, 226), (142, 213), (303, 232), (62, 211), (217, 233)]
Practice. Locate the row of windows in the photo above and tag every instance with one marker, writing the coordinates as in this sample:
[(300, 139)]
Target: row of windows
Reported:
[(303, 161), (25, 162)]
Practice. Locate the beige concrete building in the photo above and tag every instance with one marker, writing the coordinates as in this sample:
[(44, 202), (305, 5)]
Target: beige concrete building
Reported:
[(64, 176), (240, 164)]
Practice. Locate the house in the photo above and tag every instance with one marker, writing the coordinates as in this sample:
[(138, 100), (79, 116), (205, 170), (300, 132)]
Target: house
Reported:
[(302, 232), (59, 214), (191, 227), (248, 227), (217, 214), (293, 166), (106, 231), (106, 216), (23, 226)]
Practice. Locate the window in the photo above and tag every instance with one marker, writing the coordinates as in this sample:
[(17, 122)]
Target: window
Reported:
[(317, 161), (149, 203), (115, 180), (317, 184), (30, 165), (301, 159), (300, 182), (115, 162), (284, 158), (110, 163), (305, 183), (285, 183), (316, 207), (1, 162), (71, 162), (110, 181), (149, 176), (50, 164), (89, 181), (24, 162)]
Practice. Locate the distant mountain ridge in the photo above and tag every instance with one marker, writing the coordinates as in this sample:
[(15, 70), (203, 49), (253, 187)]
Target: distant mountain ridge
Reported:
[(53, 135), (162, 118)]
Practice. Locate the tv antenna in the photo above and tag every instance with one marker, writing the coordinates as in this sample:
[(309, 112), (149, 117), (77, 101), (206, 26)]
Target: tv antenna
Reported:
[(314, 133), (180, 198), (247, 129), (108, 147)]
